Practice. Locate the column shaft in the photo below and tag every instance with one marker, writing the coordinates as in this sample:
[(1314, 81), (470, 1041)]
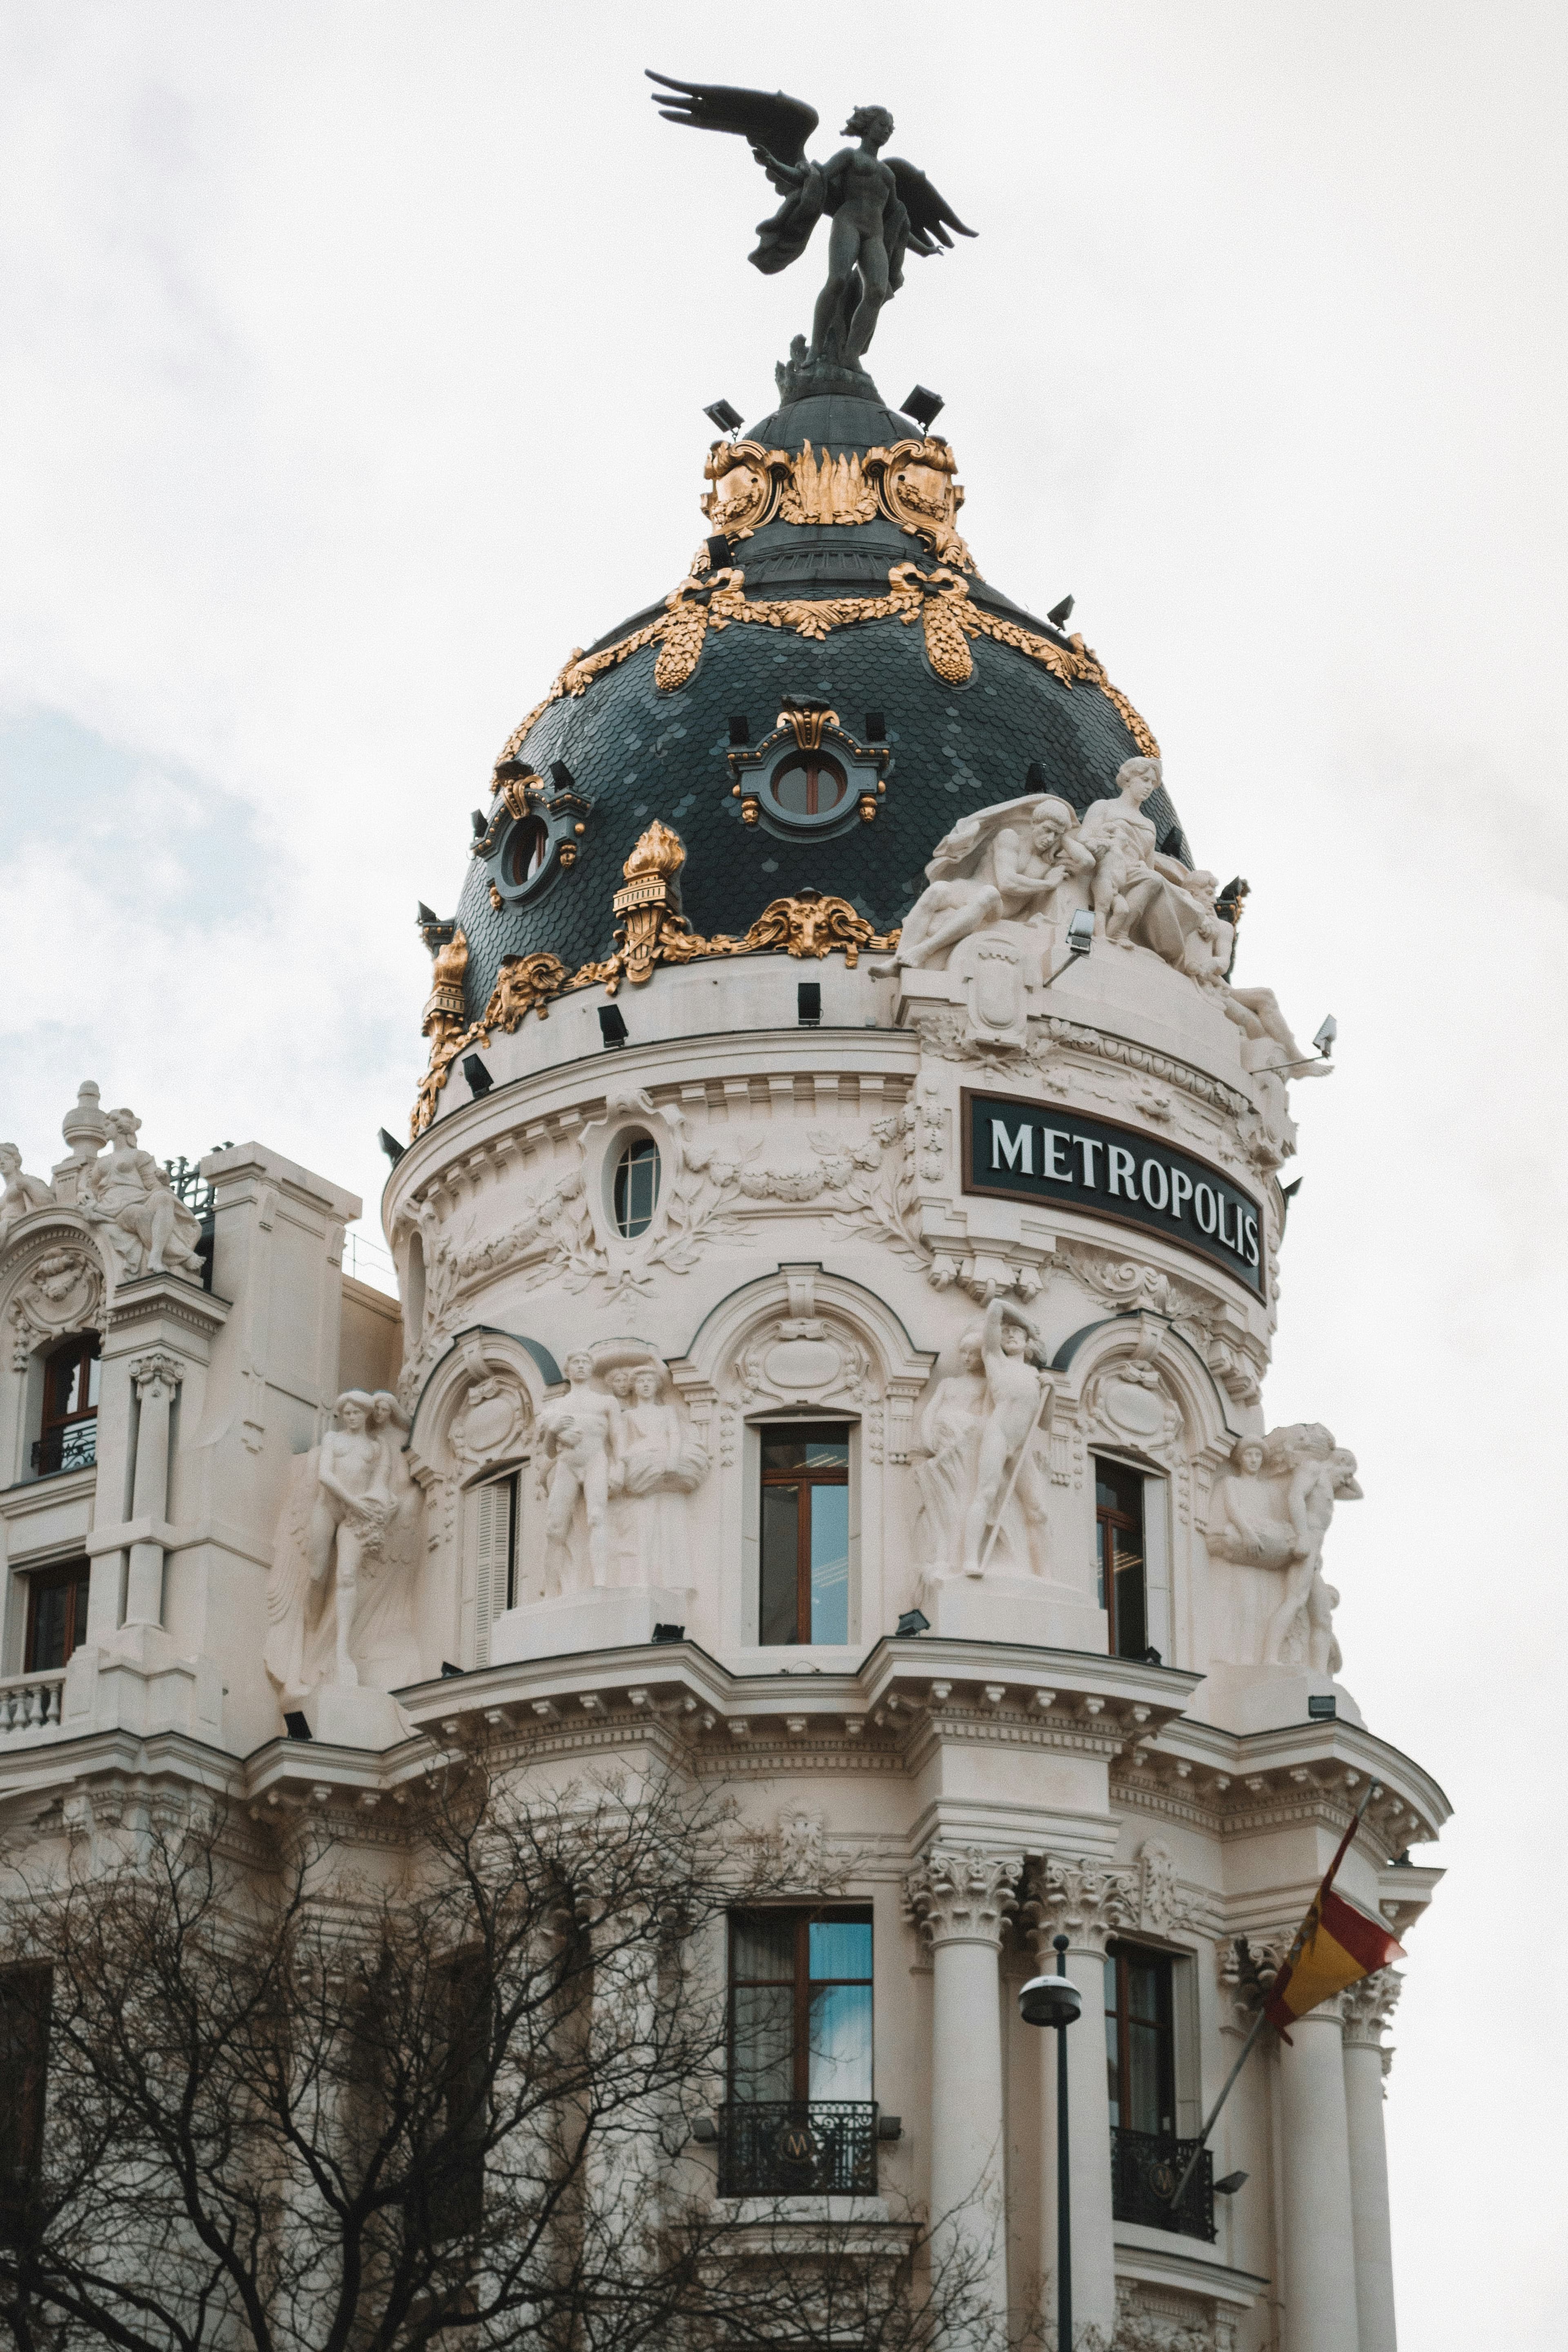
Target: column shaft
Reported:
[(966, 2153), (1320, 2232), (1369, 2195)]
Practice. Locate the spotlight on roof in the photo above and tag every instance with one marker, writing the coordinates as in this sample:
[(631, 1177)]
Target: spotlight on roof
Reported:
[(1288, 1192), (912, 1622), (728, 419), (1230, 2184), (560, 776), (613, 1024), (295, 1727), (1079, 942), (449, 1669), (478, 1077), (739, 726), (669, 1633), (875, 726), (390, 1145), (808, 1004), (478, 820), (1324, 1040), (721, 554), (1060, 614), (924, 407)]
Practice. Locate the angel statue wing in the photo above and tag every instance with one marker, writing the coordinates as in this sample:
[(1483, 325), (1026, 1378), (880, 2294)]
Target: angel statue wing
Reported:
[(928, 216), (776, 128)]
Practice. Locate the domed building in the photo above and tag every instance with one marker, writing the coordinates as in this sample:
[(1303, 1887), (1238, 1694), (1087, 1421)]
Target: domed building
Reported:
[(839, 1244)]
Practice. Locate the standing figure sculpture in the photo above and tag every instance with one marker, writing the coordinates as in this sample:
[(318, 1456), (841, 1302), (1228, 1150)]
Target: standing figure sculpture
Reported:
[(880, 209), (1016, 1392), (340, 1592), (578, 1433)]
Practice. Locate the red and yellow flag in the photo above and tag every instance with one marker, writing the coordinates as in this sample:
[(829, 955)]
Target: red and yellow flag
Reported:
[(1336, 1945)]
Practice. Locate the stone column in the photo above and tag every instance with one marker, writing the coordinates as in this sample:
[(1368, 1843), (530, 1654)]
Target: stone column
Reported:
[(1367, 2008), (1320, 2231), (157, 1375), (1088, 1906), (961, 1898)]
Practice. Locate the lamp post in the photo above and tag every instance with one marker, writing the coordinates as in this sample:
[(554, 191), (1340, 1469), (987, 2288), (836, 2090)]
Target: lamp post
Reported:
[(1056, 2001)]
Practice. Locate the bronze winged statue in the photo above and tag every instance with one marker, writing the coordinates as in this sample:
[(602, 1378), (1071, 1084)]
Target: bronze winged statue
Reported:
[(880, 208)]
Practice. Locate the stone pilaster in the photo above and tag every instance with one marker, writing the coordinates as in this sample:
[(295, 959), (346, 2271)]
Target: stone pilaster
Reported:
[(960, 1898), (1320, 2248), (155, 1377), (1088, 1906)]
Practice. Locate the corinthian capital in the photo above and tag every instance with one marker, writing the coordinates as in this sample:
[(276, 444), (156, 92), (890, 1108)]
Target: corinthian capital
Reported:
[(1080, 1901), (1366, 2007), (963, 1895), (157, 1368)]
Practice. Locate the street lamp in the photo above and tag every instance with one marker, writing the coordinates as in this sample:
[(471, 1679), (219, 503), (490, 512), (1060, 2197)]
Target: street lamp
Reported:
[(1057, 2000)]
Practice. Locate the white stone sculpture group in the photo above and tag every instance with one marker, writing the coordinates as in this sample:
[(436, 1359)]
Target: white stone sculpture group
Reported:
[(981, 1498), (616, 1462), (122, 1190), (1273, 1512), (340, 1594)]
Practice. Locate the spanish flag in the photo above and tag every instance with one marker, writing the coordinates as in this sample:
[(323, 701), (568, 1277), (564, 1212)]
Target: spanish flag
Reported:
[(1336, 1945)]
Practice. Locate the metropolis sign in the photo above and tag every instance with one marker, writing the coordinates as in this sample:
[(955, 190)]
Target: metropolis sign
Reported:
[(1020, 1151)]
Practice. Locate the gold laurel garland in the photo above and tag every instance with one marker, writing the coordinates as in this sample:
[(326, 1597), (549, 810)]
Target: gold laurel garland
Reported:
[(939, 600), (809, 924)]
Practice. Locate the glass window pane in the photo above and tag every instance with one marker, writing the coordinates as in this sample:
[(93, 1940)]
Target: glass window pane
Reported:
[(840, 1947), (1129, 1624), (762, 2048), (839, 2057), (779, 1614), (783, 1452), (49, 1628), (1118, 1488), (93, 1369), (1144, 2091), (828, 1449), (764, 1946), (1143, 1990), (829, 1563), (636, 1187)]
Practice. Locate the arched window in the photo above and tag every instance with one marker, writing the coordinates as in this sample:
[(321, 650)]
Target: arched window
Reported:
[(636, 1192), (527, 850), (67, 1439)]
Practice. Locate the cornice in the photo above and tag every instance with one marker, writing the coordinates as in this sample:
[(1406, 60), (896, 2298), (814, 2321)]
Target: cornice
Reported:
[(162, 1297)]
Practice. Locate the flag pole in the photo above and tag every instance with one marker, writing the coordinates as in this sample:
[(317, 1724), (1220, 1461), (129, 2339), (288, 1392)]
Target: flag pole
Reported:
[(1259, 2020)]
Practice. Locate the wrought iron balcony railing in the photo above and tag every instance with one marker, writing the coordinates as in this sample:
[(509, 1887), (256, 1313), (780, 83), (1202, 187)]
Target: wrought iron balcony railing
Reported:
[(72, 1446), (798, 2148), (1145, 2169)]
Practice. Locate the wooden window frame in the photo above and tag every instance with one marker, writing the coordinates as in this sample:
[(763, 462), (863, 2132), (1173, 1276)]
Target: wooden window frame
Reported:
[(1108, 1522), (1118, 1955), (26, 1994), (74, 1574), (637, 1153), (807, 1474), (78, 1347), (857, 1914)]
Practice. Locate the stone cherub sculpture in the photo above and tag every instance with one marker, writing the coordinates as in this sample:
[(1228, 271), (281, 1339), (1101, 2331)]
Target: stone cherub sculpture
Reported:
[(339, 1592), (880, 209)]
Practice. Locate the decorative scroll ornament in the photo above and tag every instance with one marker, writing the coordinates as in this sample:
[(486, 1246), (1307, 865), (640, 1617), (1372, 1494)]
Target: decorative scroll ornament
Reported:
[(61, 1292), (939, 600), (913, 484), (652, 930)]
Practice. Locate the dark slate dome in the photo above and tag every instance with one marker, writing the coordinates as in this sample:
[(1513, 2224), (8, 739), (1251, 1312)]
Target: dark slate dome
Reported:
[(636, 753)]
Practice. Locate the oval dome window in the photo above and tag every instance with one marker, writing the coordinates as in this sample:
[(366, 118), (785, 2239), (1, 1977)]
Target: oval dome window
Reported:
[(635, 1192), (807, 786), (527, 851)]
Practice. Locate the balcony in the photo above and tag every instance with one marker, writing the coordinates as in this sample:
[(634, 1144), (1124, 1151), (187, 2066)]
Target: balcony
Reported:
[(72, 1446), (1145, 2169), (798, 2148)]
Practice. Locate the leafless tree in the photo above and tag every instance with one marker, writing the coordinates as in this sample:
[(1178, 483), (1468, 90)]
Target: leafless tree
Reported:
[(280, 2090)]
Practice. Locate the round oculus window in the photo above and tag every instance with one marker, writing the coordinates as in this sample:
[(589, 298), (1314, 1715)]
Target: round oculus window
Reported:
[(635, 1192), (527, 851), (808, 786)]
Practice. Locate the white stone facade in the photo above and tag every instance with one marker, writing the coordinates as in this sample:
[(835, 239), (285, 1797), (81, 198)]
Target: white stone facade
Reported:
[(299, 1504)]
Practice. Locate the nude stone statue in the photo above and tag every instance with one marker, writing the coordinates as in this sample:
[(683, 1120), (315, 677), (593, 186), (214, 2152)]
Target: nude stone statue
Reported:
[(1014, 1395), (999, 865), (1317, 1482), (578, 1433), (657, 1464), (20, 1193), (127, 1191)]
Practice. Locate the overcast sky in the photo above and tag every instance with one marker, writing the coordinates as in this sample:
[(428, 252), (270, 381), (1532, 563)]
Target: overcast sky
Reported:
[(353, 360)]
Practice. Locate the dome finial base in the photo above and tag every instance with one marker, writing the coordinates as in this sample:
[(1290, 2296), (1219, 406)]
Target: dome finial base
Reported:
[(801, 377)]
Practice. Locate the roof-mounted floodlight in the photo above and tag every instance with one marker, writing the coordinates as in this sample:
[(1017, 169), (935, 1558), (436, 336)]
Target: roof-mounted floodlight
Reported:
[(924, 407), (728, 419), (1324, 1042), (612, 1027), (390, 1145), (1079, 942), (1230, 2184), (721, 554), (478, 1077), (915, 1620), (1060, 614)]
